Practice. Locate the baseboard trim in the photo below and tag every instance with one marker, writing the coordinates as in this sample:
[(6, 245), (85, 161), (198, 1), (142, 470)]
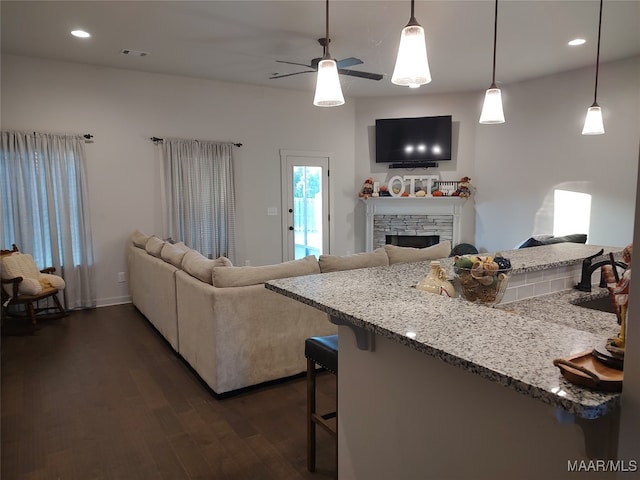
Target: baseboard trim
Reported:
[(110, 302)]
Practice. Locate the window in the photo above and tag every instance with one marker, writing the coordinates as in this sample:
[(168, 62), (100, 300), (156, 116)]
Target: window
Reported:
[(571, 212), (44, 207)]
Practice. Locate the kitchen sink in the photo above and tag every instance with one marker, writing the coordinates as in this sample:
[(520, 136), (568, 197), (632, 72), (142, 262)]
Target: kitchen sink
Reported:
[(602, 304)]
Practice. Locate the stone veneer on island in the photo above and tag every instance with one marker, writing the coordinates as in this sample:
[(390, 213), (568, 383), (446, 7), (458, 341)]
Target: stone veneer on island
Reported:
[(423, 396)]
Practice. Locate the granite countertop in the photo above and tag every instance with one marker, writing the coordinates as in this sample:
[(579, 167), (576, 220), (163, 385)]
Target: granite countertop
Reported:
[(513, 345)]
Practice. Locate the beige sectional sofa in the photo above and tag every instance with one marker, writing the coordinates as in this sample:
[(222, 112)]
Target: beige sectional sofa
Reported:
[(223, 321)]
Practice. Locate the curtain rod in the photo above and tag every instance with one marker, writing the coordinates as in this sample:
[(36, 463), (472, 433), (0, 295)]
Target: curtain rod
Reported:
[(159, 140), (87, 136)]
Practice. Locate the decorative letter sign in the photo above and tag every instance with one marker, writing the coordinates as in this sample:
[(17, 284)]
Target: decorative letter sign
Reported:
[(412, 184), (397, 178)]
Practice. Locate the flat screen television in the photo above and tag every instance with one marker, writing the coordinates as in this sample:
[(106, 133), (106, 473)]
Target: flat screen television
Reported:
[(413, 142)]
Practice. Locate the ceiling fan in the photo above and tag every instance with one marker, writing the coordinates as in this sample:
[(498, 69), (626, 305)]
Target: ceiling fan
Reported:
[(346, 62)]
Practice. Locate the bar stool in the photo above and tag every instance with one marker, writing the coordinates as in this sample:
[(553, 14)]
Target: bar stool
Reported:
[(321, 351)]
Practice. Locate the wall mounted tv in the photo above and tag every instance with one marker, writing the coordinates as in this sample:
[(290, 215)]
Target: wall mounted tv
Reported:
[(413, 142)]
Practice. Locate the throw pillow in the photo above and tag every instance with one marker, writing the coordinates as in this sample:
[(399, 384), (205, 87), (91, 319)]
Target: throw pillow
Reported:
[(243, 276), (21, 265), (154, 246), (48, 280), (409, 254), (173, 254), (335, 263), (201, 267), (550, 240), (573, 238), (139, 239)]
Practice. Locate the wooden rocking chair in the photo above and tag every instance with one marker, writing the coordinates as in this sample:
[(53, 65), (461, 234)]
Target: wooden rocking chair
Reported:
[(24, 285)]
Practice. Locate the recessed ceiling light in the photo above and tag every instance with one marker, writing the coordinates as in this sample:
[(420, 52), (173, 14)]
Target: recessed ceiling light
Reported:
[(577, 41), (80, 33)]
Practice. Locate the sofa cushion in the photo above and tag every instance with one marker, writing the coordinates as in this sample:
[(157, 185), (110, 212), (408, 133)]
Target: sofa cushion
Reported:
[(139, 239), (243, 276), (173, 254), (336, 263), (154, 246), (409, 254), (201, 267)]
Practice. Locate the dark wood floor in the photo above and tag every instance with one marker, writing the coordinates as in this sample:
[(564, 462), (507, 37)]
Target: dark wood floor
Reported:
[(100, 395)]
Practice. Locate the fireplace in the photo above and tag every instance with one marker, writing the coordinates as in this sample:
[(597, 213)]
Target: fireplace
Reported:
[(427, 220), (417, 241)]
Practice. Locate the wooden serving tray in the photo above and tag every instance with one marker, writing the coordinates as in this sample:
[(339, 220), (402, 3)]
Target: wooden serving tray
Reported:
[(585, 370)]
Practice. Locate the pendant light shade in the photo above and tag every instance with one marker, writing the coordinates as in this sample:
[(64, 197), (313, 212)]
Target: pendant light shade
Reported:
[(492, 112), (328, 90), (412, 64), (593, 124), (492, 107)]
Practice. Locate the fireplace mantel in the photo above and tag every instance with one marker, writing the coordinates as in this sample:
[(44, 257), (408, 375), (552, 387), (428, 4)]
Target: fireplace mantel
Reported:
[(412, 206)]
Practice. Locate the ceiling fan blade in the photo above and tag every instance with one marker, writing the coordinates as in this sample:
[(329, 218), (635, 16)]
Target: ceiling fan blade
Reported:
[(294, 63), (358, 73), (290, 74), (349, 62)]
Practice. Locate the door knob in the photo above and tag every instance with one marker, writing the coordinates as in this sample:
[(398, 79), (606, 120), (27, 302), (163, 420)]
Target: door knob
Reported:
[(290, 227)]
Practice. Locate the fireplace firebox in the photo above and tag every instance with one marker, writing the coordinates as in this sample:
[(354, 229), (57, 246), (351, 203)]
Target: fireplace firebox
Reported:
[(416, 241)]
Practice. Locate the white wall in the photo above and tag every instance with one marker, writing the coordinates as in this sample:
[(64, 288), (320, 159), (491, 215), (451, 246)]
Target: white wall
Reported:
[(516, 166), (540, 148), (123, 109)]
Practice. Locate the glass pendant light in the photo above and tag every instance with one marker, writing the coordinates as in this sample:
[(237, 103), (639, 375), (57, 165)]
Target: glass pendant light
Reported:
[(492, 108), (412, 64), (593, 124), (328, 90)]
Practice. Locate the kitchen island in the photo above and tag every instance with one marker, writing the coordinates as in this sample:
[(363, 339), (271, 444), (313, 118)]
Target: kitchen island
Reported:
[(432, 387)]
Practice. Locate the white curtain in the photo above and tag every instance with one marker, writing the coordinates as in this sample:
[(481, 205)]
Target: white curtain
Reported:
[(45, 209), (199, 195)]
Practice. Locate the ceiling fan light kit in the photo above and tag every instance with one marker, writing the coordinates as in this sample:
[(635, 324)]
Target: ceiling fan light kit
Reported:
[(492, 112), (328, 91), (593, 124), (412, 64)]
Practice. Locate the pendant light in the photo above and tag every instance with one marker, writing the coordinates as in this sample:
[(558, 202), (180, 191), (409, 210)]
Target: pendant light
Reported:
[(492, 107), (593, 124), (328, 91), (412, 64)]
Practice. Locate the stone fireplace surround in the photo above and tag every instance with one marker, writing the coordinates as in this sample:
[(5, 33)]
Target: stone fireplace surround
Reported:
[(412, 216)]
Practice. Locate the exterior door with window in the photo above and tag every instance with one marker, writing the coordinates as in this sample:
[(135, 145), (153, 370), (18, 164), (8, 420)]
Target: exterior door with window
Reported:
[(305, 203)]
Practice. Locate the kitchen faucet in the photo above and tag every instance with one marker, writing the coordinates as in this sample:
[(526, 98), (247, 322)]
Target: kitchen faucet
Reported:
[(588, 268)]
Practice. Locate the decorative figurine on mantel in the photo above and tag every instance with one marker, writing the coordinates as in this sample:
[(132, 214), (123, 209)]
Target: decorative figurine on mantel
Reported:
[(367, 189), (619, 291), (464, 188)]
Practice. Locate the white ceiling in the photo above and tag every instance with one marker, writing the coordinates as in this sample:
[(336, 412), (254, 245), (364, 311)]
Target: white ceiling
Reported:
[(240, 41)]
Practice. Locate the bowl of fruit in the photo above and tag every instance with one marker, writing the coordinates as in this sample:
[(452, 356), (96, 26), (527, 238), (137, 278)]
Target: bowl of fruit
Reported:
[(482, 279)]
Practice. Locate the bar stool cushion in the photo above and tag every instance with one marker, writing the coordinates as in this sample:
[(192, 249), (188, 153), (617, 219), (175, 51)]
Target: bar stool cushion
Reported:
[(323, 351)]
